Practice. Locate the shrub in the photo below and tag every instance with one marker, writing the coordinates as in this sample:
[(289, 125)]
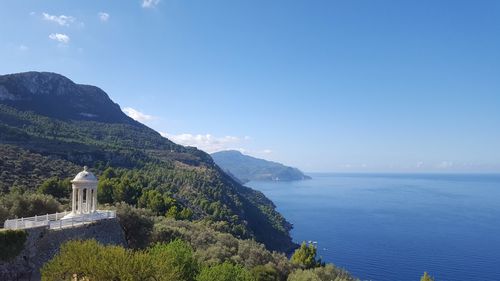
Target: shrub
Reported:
[(265, 273), (89, 260), (322, 273), (225, 272)]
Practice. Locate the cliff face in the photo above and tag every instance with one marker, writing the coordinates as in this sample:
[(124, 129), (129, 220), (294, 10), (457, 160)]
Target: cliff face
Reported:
[(42, 244)]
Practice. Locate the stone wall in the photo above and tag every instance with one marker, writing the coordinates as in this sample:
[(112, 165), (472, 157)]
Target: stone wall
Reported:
[(42, 244)]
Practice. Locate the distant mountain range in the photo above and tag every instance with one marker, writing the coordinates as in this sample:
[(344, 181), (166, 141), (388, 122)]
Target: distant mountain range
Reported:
[(247, 168), (51, 127)]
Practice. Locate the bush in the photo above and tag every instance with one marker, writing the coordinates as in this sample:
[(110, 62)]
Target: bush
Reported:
[(11, 243), (225, 272), (89, 260), (265, 273), (322, 273)]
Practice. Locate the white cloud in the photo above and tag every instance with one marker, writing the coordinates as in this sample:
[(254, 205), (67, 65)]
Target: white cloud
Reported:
[(61, 20), (62, 38), (23, 48), (445, 165), (137, 115), (104, 17), (150, 3), (207, 142), (267, 151)]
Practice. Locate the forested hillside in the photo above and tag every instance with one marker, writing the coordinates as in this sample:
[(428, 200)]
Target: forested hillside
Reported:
[(50, 127)]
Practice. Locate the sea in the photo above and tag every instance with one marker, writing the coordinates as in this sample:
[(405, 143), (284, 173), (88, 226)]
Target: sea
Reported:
[(393, 227)]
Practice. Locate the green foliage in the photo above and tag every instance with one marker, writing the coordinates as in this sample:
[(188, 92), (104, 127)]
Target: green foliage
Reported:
[(11, 243), (105, 191), (225, 272), (136, 224), (322, 273), (16, 205), (426, 277), (175, 257), (89, 260), (265, 273), (305, 256), (56, 188), (153, 200), (212, 247)]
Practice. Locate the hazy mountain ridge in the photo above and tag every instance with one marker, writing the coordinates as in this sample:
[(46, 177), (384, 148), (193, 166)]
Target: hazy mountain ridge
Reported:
[(42, 122), (247, 168)]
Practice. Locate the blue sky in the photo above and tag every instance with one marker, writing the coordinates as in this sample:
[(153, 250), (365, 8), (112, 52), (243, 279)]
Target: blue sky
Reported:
[(375, 86)]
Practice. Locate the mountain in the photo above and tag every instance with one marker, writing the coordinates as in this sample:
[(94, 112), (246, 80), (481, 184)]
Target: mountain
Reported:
[(247, 168), (51, 127)]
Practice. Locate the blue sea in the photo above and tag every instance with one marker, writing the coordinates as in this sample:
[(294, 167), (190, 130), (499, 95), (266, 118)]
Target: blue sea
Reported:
[(393, 227)]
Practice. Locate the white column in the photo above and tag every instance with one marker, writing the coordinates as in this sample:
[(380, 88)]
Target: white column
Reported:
[(73, 201), (80, 200), (87, 201), (94, 205)]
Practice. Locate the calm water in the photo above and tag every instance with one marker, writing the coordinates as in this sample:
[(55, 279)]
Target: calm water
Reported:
[(395, 227)]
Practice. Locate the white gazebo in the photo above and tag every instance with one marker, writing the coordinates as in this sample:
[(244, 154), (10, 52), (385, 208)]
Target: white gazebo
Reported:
[(84, 197), (83, 208)]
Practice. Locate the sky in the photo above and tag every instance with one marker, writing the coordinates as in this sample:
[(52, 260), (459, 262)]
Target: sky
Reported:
[(326, 86)]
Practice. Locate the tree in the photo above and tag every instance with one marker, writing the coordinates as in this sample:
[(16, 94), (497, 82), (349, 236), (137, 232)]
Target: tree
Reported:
[(136, 223), (108, 173), (28, 205), (153, 200), (426, 277), (55, 187), (172, 212), (225, 272), (105, 191), (174, 259), (186, 214), (305, 256)]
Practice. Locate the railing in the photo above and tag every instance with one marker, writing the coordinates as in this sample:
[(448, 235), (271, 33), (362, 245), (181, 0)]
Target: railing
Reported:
[(56, 221)]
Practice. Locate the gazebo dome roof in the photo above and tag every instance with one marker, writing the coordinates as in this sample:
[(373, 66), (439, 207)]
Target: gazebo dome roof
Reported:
[(85, 176)]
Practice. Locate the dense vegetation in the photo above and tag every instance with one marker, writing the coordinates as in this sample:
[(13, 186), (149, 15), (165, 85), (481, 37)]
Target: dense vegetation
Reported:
[(17, 205), (50, 127), (169, 249), (246, 168)]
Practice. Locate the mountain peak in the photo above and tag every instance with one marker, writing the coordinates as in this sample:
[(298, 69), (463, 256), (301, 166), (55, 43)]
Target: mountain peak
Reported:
[(54, 95)]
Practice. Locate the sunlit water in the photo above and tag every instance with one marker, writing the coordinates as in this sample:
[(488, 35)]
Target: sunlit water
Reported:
[(395, 227)]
